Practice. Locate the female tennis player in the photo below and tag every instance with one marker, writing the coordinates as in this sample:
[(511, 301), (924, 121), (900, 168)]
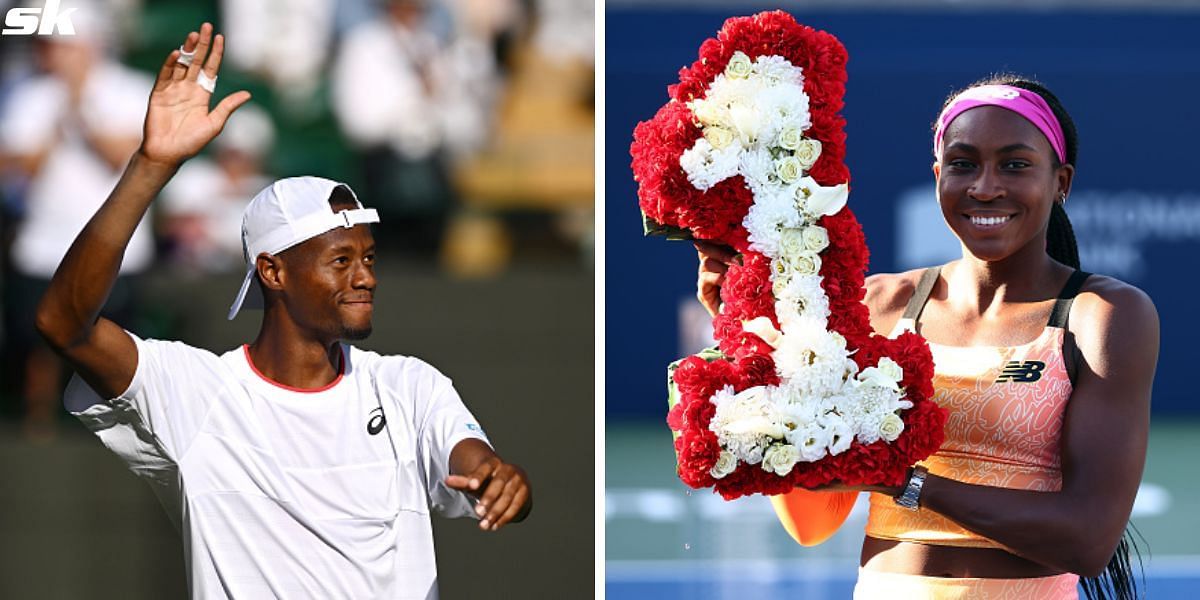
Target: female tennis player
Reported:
[(1046, 371)]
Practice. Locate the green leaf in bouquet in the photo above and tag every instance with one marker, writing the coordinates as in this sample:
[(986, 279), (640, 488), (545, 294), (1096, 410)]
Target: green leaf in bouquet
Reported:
[(651, 227)]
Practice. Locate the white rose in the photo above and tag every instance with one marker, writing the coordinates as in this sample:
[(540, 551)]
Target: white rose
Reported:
[(890, 427), (807, 152), (706, 111), (739, 66), (791, 241), (780, 458), (815, 238), (762, 327), (806, 263), (788, 169), (790, 138), (719, 137), (726, 463)]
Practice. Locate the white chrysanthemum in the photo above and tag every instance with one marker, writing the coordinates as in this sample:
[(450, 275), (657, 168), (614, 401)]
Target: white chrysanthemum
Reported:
[(870, 405), (757, 166), (778, 70), (802, 297), (707, 166), (797, 408), (784, 107), (772, 211), (810, 357)]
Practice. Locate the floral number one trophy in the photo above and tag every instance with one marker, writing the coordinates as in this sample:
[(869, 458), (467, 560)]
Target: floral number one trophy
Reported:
[(799, 392)]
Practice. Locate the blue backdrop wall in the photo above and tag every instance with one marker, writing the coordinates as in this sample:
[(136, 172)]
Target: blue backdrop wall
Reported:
[(1130, 80)]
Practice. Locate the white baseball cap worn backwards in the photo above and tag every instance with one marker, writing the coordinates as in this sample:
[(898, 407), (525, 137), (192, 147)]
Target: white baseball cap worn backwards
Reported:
[(289, 212)]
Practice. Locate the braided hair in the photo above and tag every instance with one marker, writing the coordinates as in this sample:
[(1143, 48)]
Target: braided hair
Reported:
[(1117, 581)]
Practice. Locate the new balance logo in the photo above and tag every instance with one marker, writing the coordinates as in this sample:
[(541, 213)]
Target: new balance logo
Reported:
[(43, 21), (1021, 372), (375, 425)]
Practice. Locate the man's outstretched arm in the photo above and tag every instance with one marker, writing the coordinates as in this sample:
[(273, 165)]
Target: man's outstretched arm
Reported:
[(502, 488), (178, 124)]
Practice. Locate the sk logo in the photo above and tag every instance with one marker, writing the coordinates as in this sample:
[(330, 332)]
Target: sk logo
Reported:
[(42, 21), (1021, 372), (375, 425)]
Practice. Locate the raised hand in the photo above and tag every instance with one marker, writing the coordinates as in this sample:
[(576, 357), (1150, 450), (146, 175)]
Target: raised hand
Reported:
[(178, 121), (502, 489)]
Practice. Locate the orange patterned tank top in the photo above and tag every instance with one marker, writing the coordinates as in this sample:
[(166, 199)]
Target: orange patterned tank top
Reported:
[(1006, 409)]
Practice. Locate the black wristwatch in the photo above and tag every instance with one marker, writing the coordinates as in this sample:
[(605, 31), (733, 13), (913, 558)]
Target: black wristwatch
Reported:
[(911, 495)]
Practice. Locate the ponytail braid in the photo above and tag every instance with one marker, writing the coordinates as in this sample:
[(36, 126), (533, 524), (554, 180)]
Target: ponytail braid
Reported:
[(1060, 238)]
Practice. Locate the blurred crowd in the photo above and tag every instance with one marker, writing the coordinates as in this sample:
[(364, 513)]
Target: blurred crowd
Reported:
[(467, 123)]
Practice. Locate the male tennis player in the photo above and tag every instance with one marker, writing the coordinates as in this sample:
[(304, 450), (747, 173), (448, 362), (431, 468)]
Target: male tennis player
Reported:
[(296, 466)]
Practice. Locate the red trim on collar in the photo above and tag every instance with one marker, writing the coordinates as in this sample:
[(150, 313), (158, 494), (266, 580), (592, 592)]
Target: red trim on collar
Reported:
[(341, 372)]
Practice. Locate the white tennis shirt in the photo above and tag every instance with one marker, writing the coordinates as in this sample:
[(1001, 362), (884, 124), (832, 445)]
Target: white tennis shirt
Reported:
[(286, 493)]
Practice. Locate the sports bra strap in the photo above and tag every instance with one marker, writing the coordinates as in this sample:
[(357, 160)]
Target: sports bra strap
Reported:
[(1058, 315), (1062, 306), (920, 295)]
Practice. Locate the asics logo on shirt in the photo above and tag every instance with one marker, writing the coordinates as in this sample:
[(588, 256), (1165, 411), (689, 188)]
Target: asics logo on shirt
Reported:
[(1021, 371), (375, 425)]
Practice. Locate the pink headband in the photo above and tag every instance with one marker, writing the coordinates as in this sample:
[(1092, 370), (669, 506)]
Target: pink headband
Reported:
[(1023, 102)]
